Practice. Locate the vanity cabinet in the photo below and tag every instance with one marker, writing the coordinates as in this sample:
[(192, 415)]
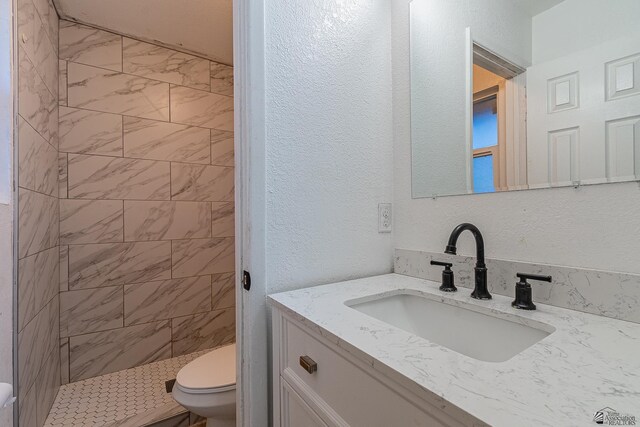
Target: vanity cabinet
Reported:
[(333, 387)]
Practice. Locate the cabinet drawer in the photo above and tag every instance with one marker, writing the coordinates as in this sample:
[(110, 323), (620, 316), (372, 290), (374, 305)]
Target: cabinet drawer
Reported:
[(358, 397)]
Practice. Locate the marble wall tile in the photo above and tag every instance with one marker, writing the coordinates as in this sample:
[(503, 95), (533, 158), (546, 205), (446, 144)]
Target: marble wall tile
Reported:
[(203, 331), (197, 182), (90, 132), (64, 360), (152, 301), (172, 181), (36, 104), (62, 82), (48, 69), (223, 290), (37, 45), (159, 63), (62, 176), (200, 108), (91, 310), (30, 358), (166, 220), (104, 352), (37, 222), (50, 20), (47, 384), (27, 409), (64, 268), (28, 24), (48, 330), (90, 46), (53, 125), (222, 148), (36, 342), (221, 79), (37, 216), (603, 293), (97, 177), (223, 219), (97, 89), (37, 161), (91, 221), (37, 283), (197, 257), (111, 264), (154, 140)]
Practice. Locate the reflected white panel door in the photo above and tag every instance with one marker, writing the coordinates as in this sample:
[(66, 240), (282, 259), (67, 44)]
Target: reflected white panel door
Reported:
[(596, 94), (623, 149), (563, 157)]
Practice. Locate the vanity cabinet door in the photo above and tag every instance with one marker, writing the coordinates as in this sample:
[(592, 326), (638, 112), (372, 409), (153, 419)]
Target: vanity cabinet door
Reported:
[(295, 411), (342, 393)]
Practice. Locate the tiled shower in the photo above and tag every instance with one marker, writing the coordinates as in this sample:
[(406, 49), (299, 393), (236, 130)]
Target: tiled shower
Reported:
[(38, 212), (126, 205)]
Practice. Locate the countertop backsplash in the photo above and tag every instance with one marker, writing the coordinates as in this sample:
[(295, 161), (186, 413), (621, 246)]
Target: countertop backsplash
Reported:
[(605, 293)]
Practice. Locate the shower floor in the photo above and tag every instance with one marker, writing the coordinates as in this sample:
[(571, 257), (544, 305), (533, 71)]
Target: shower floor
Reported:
[(133, 398)]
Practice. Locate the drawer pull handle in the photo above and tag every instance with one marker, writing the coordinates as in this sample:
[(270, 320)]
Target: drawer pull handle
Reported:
[(308, 364)]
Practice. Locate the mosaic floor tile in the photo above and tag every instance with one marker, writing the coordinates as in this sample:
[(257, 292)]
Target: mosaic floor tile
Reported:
[(114, 399)]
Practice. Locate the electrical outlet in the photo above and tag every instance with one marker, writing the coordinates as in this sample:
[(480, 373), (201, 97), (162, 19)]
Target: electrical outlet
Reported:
[(384, 218)]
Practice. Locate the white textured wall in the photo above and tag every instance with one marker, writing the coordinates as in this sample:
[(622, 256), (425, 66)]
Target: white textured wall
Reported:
[(574, 25), (328, 140), (593, 227)]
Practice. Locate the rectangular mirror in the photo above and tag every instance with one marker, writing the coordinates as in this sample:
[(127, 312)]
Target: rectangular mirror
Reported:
[(521, 94)]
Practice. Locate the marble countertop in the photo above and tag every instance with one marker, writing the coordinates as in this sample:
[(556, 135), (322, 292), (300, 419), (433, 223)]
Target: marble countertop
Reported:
[(589, 363)]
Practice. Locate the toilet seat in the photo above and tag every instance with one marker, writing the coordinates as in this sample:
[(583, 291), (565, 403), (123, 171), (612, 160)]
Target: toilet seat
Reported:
[(205, 390), (214, 372)]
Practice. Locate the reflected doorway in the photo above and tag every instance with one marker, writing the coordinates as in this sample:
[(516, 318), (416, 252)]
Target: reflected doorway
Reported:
[(499, 139)]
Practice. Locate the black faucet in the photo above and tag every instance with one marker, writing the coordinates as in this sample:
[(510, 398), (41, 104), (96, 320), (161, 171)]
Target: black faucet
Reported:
[(523, 291), (480, 291)]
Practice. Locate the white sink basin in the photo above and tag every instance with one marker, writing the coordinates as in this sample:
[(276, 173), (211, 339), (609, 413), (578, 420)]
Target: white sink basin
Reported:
[(458, 328)]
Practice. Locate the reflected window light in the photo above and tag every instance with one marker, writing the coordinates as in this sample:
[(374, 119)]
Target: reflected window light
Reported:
[(485, 123), (483, 174)]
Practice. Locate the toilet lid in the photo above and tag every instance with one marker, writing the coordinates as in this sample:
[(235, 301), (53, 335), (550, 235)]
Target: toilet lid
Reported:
[(214, 370)]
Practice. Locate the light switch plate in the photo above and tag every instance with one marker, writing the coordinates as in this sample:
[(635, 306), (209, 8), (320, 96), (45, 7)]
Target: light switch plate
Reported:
[(384, 218)]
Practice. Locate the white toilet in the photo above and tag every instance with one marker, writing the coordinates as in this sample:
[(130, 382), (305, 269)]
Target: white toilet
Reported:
[(207, 387)]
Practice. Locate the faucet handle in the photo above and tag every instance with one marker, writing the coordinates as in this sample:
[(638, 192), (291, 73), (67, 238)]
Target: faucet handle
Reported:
[(447, 277), (442, 264), (523, 299), (525, 276)]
